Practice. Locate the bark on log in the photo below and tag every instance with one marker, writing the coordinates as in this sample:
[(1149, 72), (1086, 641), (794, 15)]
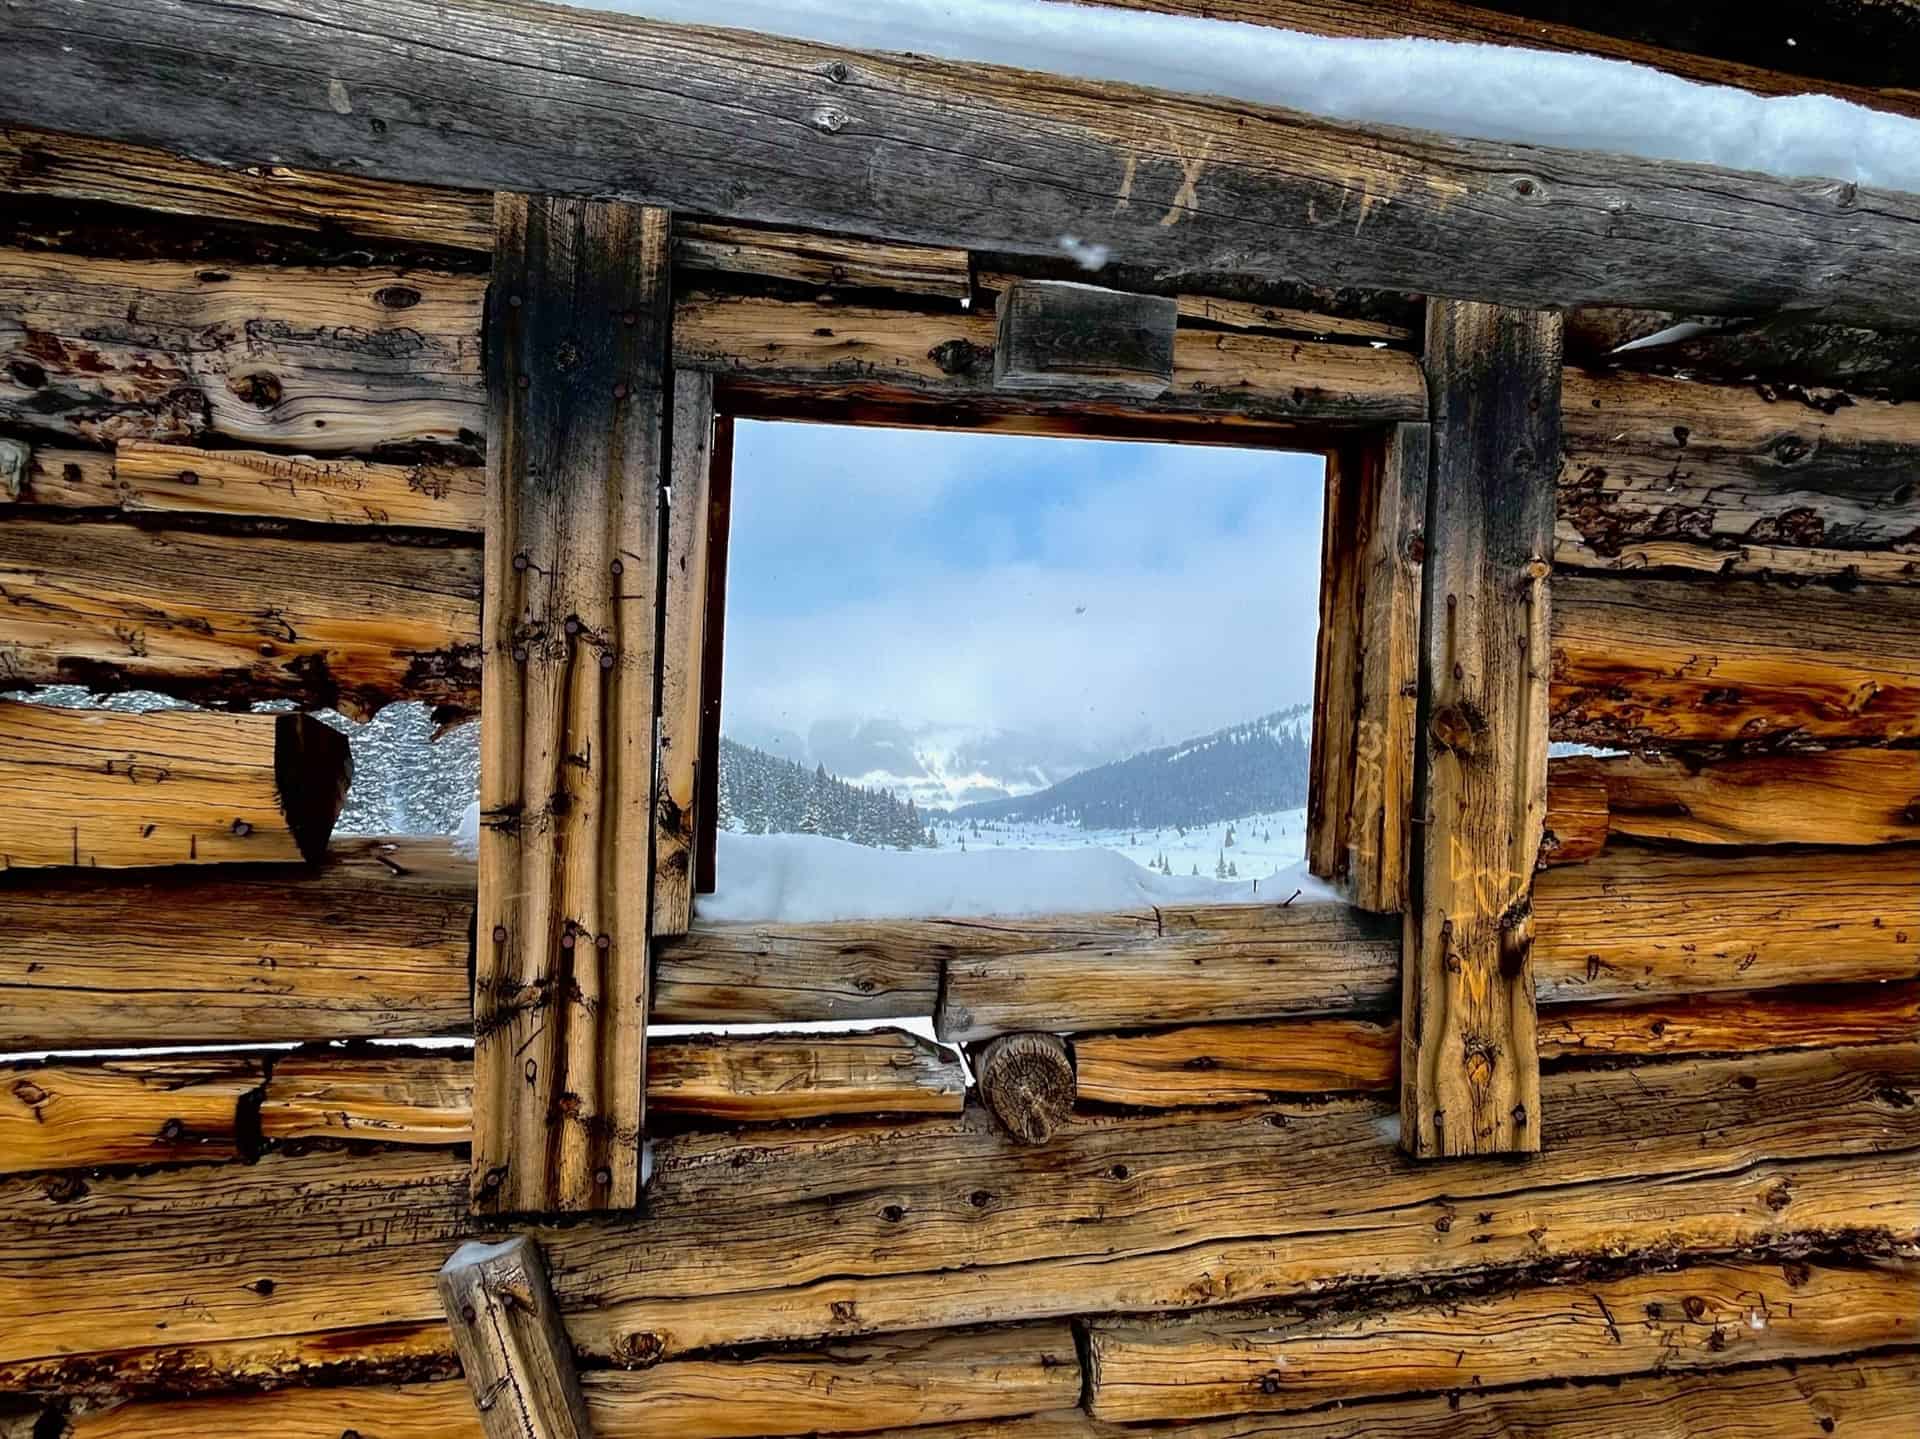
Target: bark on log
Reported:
[(123, 1111), (843, 1230), (217, 618), (1647, 661), (1027, 1084), (512, 1344), (1707, 1316), (1844, 797), (1638, 922), (1469, 1070), (1235, 1063), (1733, 1023), (103, 789), (1234, 187), (576, 477)]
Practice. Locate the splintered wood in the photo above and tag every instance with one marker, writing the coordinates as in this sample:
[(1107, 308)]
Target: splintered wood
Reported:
[(579, 324), (1470, 1074)]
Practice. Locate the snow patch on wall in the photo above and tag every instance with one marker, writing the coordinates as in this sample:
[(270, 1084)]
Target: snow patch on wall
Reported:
[(1490, 92)]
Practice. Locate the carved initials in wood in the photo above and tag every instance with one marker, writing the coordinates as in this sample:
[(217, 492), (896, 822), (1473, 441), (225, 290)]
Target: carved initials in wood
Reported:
[(1191, 167)]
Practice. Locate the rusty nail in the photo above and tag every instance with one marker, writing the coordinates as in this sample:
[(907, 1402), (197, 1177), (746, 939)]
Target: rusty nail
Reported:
[(606, 660), (617, 567), (604, 941), (499, 934), (566, 940), (242, 828), (603, 1176), (519, 562)]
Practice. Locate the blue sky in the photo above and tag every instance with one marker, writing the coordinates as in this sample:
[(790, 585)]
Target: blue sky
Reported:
[(1087, 586)]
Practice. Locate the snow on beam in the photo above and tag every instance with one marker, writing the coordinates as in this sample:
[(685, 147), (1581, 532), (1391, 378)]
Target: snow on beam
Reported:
[(953, 153)]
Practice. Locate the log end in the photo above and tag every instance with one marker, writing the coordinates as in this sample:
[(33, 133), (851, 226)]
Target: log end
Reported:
[(312, 768), (1028, 1085)]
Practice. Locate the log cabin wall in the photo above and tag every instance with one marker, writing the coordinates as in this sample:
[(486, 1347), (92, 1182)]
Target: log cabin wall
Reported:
[(242, 431)]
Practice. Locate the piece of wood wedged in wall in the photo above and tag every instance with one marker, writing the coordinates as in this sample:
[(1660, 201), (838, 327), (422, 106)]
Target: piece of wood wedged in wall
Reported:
[(1027, 1083), (336, 491), (372, 942), (86, 788), (216, 618), (1707, 1316), (123, 1111), (1577, 812), (1083, 340), (1235, 1063), (1899, 565), (764, 1078), (389, 1097), (683, 601), (577, 377), (1021, 161), (1468, 1066), (1228, 313), (1883, 1013), (1843, 797), (16, 460), (757, 1235), (1640, 661), (512, 1343)]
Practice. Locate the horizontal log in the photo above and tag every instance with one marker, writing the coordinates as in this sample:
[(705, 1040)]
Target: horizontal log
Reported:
[(1733, 1023), (1865, 1394), (1231, 187), (179, 479), (843, 1230), (350, 624), (1706, 1316), (760, 1078), (373, 942), (1576, 812), (394, 1098), (104, 789), (123, 1111), (1647, 458), (790, 973), (1647, 661), (1183, 965), (1842, 797), (1899, 565), (1236, 1063), (1638, 922)]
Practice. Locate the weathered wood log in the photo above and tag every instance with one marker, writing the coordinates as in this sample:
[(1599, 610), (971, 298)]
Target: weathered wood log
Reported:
[(1577, 813), (512, 1342), (845, 1230), (1647, 458), (178, 479), (1899, 565), (1848, 797), (16, 460), (761, 1078), (99, 788), (1639, 661), (706, 815), (1235, 1063), (1638, 922), (392, 1097), (1083, 340), (1360, 795), (220, 618), (683, 603), (123, 1111), (1469, 1071), (1185, 965), (781, 973), (1027, 1083), (1707, 1316), (577, 379), (1233, 187), (1733, 1023)]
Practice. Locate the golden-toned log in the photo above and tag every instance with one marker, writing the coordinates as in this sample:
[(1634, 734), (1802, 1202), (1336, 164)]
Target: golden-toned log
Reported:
[(760, 1078), (214, 617), (1732, 1023), (1194, 964), (181, 479), (1649, 660), (1236, 1063), (1707, 1316), (1026, 1082), (1638, 922), (1576, 811), (844, 1230), (123, 1111), (99, 788), (1847, 797), (372, 942), (1896, 565), (392, 1097)]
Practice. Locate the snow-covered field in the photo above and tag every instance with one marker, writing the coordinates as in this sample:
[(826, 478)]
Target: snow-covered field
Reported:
[(1261, 844)]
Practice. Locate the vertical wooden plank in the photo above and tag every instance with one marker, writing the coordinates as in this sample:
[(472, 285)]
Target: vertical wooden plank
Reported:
[(713, 652), (577, 333), (511, 1342), (1330, 765), (683, 631), (1470, 1072)]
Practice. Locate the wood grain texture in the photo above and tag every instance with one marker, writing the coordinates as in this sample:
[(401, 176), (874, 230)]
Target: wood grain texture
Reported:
[(1707, 1316), (1577, 812), (576, 479), (99, 788), (1175, 182), (374, 942), (1650, 661), (1172, 965), (1842, 797), (1732, 1023), (1899, 565), (386, 1096), (780, 973), (1642, 922), (1469, 1072), (512, 1342), (1236, 1063), (683, 603), (178, 479), (1026, 1082), (350, 624), (123, 1111), (706, 814), (763, 1078), (842, 1230), (1083, 340), (1360, 800)]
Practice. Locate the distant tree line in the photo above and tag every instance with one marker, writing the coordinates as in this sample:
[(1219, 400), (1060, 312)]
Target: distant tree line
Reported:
[(761, 793)]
